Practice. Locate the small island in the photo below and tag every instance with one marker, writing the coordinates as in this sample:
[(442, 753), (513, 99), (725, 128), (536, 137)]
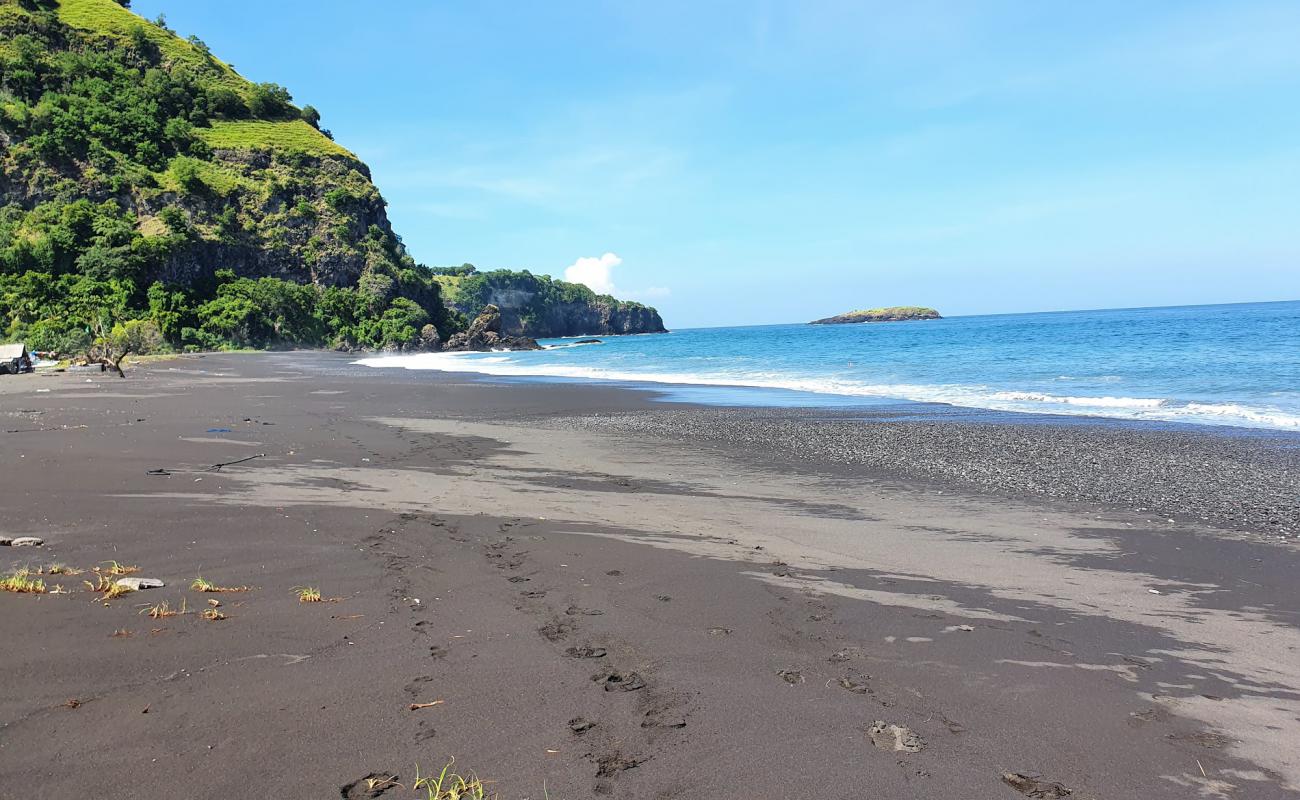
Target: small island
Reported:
[(891, 314)]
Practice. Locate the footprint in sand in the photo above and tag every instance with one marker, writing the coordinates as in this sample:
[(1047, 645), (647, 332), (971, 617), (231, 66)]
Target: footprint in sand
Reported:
[(373, 785), (894, 738), (416, 686), (555, 630), (586, 651), (622, 682)]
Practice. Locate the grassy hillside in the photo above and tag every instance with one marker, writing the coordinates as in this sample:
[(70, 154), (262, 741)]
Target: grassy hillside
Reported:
[(294, 136), (143, 179), (110, 19)]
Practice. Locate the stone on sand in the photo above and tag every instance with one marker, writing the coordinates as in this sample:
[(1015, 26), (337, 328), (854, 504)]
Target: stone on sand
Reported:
[(136, 584)]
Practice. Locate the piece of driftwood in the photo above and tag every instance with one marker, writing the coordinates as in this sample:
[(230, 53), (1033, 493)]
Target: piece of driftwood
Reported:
[(212, 468)]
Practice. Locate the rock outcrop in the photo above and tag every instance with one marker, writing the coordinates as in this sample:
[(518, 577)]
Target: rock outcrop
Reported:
[(484, 333), (890, 314), (542, 307)]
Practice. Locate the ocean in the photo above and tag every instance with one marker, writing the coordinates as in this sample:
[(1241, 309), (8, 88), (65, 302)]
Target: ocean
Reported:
[(1233, 365)]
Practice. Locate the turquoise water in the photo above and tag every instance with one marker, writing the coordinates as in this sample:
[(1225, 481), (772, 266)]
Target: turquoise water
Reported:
[(1223, 365)]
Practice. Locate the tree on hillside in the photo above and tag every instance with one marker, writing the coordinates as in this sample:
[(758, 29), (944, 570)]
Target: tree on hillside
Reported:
[(270, 101)]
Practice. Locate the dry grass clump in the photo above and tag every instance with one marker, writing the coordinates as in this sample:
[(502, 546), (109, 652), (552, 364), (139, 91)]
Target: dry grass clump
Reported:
[(114, 568), (213, 615), (21, 582), (308, 594), (449, 785), (62, 569), (164, 609), (200, 584)]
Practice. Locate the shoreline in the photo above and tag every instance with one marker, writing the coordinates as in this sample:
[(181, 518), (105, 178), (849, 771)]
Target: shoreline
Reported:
[(755, 394), (604, 610), (1234, 478)]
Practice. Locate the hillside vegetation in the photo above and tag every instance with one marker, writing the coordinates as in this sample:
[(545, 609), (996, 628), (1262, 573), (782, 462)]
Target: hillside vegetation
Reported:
[(146, 187)]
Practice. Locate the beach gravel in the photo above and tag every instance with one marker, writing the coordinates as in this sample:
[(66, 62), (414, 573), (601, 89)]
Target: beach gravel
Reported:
[(1230, 478)]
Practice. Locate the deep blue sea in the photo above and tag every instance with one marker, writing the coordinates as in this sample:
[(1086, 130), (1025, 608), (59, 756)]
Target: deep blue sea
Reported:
[(1221, 365)]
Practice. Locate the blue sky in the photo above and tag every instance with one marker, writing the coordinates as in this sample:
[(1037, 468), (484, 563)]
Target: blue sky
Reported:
[(754, 162)]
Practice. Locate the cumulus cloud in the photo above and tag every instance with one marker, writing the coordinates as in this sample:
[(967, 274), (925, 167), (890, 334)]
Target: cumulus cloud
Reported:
[(594, 272)]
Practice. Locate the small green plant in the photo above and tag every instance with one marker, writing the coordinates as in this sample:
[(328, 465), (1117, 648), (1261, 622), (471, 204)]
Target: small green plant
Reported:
[(449, 785), (62, 569), (307, 594), (114, 568), (200, 584), (22, 582)]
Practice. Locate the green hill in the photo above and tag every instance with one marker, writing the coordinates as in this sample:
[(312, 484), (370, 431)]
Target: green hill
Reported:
[(142, 178)]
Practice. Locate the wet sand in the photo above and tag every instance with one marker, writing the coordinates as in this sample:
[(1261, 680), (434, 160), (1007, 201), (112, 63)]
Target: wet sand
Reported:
[(648, 610)]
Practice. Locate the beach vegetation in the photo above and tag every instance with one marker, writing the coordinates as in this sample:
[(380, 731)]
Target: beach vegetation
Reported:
[(165, 609), (107, 587), (449, 785), (116, 568), (201, 584), (307, 594), (213, 614), (22, 581)]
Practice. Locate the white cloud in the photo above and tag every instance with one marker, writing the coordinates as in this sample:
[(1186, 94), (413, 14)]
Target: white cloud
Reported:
[(594, 272)]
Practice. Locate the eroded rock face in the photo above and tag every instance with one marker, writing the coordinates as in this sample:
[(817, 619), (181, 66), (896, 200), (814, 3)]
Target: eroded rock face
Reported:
[(537, 306), (484, 333)]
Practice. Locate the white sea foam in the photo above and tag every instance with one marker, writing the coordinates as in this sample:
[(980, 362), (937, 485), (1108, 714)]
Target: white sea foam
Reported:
[(969, 396)]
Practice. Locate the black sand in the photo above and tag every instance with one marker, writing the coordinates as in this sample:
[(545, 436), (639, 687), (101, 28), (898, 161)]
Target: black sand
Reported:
[(707, 603)]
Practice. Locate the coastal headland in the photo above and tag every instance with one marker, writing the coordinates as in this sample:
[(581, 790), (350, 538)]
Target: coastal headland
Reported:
[(575, 591)]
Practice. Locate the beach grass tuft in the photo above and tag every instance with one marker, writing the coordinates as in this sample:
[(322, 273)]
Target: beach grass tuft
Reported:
[(307, 594), (114, 568), (164, 609), (62, 569), (201, 584), (213, 614), (448, 785), (21, 582)]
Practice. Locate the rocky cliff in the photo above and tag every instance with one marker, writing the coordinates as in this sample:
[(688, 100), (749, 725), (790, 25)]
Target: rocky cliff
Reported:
[(540, 306)]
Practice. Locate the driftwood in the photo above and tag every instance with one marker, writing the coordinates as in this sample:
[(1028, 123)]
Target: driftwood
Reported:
[(212, 468)]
